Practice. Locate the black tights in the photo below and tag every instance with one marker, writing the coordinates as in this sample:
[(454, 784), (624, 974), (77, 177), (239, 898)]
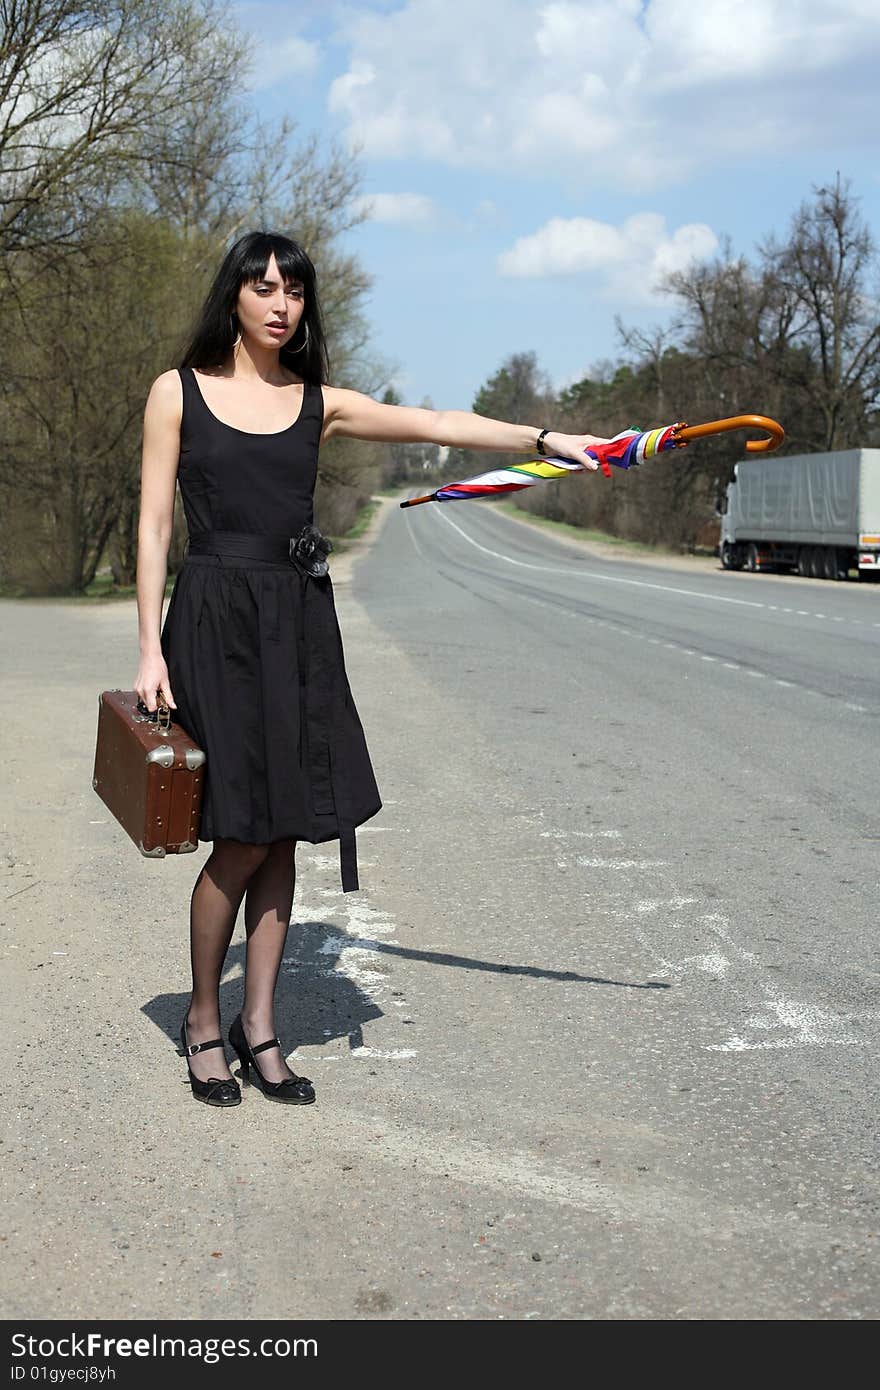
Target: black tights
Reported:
[(265, 876)]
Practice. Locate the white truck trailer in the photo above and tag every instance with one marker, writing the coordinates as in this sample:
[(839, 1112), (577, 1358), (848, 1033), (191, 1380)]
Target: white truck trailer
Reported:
[(816, 513)]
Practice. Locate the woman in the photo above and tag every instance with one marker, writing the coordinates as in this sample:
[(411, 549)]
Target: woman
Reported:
[(250, 652)]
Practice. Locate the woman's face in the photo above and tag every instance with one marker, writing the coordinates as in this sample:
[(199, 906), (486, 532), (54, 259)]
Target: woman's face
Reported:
[(268, 302)]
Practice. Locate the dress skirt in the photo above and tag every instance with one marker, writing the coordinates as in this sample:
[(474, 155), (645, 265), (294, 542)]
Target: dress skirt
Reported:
[(257, 669)]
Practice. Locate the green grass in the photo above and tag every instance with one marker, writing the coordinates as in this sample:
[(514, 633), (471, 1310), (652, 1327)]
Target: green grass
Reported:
[(102, 589), (361, 522)]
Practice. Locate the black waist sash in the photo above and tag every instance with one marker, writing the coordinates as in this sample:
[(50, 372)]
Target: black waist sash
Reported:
[(241, 545), (320, 705)]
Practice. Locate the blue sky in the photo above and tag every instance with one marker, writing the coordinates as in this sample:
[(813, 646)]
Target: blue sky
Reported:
[(531, 168)]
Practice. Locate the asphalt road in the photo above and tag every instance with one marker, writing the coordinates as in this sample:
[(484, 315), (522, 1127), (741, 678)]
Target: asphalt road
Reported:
[(598, 1038), (664, 781)]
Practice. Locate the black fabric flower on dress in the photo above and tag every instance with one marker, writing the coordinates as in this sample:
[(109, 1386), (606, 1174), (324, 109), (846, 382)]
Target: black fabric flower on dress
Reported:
[(309, 550)]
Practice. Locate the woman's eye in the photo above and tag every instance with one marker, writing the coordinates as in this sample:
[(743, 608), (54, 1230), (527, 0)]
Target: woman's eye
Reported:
[(265, 289)]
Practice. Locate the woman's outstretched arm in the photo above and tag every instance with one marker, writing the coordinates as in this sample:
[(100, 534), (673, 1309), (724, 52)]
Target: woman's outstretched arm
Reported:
[(351, 415)]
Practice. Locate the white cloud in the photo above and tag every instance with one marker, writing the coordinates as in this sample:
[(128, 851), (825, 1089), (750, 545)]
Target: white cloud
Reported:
[(275, 60), (632, 258), (397, 207), (628, 92)]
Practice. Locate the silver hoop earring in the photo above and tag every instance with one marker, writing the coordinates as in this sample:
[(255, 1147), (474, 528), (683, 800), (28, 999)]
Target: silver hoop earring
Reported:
[(303, 346)]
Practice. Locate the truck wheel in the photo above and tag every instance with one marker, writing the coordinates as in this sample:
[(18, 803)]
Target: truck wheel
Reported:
[(832, 563), (804, 562), (728, 556), (817, 562), (752, 562)]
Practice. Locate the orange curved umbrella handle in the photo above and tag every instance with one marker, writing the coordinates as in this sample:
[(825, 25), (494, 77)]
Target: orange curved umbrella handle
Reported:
[(737, 422)]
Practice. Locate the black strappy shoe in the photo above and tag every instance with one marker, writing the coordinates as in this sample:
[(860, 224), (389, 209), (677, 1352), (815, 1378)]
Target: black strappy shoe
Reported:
[(293, 1090), (216, 1090)]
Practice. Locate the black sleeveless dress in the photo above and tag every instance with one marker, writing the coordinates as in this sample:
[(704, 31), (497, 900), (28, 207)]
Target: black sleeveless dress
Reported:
[(253, 647)]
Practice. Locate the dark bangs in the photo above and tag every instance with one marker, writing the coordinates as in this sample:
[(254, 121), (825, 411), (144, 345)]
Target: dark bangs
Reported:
[(245, 263), (292, 260)]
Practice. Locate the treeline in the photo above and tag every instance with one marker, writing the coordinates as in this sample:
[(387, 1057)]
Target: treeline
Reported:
[(793, 333), (128, 166)]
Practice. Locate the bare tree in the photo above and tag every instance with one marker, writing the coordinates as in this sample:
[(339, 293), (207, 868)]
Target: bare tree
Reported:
[(793, 333), (72, 400), (89, 88), (121, 235), (823, 272), (798, 331)]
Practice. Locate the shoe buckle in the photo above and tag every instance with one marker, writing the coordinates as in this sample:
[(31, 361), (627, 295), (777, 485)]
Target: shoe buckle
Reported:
[(193, 1048)]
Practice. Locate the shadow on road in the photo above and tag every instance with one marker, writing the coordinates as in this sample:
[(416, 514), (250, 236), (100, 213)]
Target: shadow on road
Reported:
[(317, 1002)]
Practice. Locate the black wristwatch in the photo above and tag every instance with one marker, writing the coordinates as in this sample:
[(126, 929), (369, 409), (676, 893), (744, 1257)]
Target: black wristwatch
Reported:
[(540, 444)]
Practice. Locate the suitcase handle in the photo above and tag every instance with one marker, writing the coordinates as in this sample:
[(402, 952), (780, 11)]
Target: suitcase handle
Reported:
[(161, 715)]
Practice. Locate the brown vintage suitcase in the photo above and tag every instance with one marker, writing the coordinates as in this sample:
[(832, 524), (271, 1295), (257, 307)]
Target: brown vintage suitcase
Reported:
[(149, 773)]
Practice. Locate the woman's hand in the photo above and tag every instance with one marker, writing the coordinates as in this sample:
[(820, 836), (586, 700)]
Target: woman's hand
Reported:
[(153, 676), (572, 446)]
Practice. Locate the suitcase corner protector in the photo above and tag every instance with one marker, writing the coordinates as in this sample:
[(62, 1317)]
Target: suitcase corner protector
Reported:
[(163, 755)]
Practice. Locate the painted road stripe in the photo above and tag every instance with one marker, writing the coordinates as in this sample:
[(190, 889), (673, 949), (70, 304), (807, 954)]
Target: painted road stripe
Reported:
[(609, 578)]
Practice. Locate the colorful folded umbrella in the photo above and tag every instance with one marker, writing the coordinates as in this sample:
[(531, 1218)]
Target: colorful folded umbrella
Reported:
[(628, 449)]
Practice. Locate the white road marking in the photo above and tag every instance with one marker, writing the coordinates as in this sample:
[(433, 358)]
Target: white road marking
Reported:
[(720, 925), (392, 1054), (595, 574), (671, 646), (598, 863), (353, 950), (648, 905), (613, 578), (775, 1020), (790, 1022), (710, 962), (579, 834), (782, 1023)]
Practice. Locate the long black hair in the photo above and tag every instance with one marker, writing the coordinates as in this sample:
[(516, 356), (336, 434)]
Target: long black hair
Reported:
[(216, 328)]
